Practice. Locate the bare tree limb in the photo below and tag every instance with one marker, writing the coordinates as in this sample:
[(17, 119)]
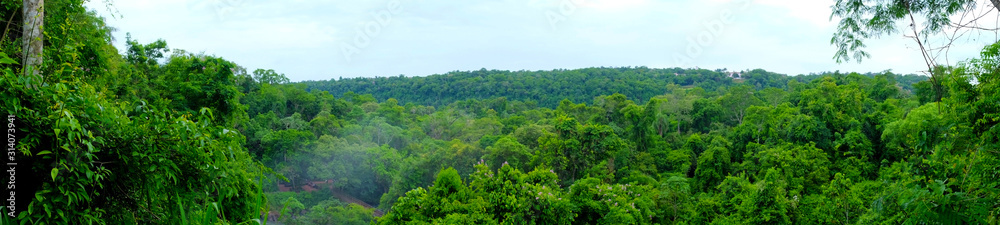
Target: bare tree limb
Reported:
[(9, 21)]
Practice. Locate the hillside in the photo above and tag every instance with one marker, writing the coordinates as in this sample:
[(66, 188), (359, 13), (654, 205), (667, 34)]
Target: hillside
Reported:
[(547, 88)]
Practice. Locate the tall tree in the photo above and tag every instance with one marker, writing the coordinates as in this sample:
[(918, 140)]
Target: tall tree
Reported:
[(864, 19), (737, 101), (34, 14)]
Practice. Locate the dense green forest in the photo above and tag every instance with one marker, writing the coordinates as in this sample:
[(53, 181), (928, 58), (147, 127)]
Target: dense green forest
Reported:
[(154, 135), (548, 88)]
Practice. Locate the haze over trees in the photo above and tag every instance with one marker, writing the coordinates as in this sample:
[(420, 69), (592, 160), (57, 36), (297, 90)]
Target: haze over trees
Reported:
[(154, 135)]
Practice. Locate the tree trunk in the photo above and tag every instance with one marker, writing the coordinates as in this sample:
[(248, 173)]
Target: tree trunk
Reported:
[(34, 13)]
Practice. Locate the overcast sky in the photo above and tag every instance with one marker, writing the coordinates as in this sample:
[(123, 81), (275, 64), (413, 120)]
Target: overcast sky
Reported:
[(320, 40)]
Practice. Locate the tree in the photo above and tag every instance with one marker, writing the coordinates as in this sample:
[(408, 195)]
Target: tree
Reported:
[(293, 208), (507, 196), (863, 19), (674, 198), (737, 100), (602, 203), (678, 106), (324, 123), (765, 202), (803, 168), (507, 150), (773, 96), (144, 54), (32, 39), (269, 77), (706, 114), (528, 135), (713, 166), (336, 212), (846, 205), (192, 82), (120, 162)]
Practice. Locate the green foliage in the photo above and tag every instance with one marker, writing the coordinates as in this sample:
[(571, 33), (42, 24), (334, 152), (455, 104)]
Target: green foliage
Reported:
[(804, 168), (145, 138), (764, 202), (328, 213), (192, 82), (917, 134), (842, 148), (145, 56), (112, 149), (507, 196), (713, 165), (675, 199), (269, 77), (507, 150), (860, 20), (548, 88), (111, 161)]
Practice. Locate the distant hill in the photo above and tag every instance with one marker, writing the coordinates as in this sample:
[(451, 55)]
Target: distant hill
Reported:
[(547, 88)]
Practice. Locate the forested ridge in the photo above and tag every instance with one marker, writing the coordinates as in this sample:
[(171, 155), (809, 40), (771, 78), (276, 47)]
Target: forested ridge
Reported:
[(547, 88), (154, 135)]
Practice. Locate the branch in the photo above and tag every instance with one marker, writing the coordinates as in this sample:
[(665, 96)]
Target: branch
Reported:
[(974, 27), (916, 36), (12, 20), (102, 163)]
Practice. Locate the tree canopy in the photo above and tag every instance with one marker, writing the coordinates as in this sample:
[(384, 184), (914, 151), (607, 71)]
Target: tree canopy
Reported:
[(152, 135)]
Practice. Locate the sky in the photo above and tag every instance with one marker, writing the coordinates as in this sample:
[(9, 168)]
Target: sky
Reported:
[(322, 40)]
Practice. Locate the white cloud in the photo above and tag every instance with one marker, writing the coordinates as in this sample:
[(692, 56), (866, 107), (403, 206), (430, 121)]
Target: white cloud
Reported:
[(611, 5), (303, 39), (816, 12)]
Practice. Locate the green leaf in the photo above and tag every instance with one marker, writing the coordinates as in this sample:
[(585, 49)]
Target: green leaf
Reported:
[(55, 171), (5, 60), (45, 152), (180, 205)]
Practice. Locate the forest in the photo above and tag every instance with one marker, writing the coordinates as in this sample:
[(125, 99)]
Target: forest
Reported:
[(154, 135), (548, 88)]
